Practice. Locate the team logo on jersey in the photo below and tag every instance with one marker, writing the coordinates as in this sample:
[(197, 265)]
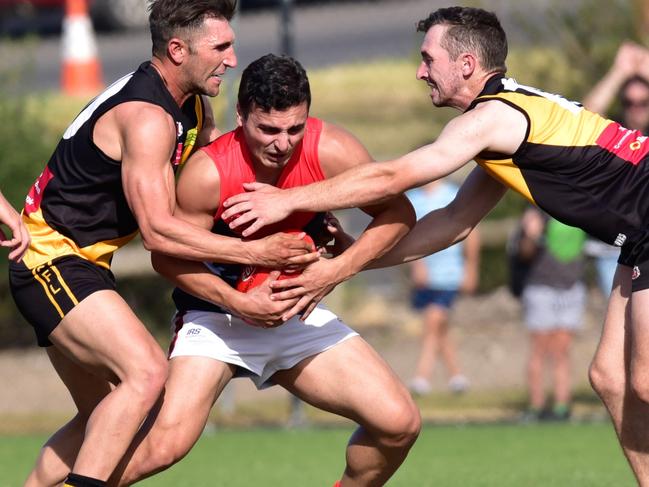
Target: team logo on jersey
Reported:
[(636, 273), (35, 195), (247, 272), (619, 240), (178, 156), (179, 129)]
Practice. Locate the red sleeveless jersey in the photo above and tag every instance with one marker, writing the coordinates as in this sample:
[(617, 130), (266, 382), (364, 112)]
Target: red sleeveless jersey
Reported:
[(234, 164)]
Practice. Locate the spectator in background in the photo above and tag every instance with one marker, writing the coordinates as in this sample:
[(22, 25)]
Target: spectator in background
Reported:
[(553, 305), (628, 81), (627, 78), (437, 279)]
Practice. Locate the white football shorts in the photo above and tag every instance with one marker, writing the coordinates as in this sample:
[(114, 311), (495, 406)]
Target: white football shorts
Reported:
[(258, 352)]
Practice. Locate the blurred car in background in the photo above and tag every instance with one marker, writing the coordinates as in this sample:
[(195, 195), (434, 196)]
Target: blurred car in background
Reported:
[(18, 17)]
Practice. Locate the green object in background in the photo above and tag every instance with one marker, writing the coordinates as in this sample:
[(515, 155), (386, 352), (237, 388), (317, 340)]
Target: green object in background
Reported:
[(564, 242)]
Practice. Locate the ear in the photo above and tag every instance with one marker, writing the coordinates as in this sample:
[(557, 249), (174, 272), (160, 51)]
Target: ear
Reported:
[(469, 64), (240, 117), (177, 50)]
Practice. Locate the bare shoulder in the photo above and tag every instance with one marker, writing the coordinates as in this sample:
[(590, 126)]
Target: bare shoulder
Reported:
[(199, 183), (199, 170), (498, 126), (136, 116), (147, 133), (494, 112), (339, 149)]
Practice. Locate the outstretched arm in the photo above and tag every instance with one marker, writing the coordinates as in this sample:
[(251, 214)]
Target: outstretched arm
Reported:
[(490, 126), (392, 220), (442, 228)]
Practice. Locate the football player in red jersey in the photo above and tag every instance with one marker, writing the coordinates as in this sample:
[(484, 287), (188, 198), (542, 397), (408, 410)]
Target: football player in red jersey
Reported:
[(319, 359)]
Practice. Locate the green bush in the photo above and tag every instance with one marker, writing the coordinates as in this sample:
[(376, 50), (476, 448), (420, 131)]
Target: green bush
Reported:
[(26, 147)]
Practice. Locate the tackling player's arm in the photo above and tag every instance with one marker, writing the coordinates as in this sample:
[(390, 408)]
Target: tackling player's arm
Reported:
[(492, 126), (148, 182), (198, 197), (338, 151), (442, 228)]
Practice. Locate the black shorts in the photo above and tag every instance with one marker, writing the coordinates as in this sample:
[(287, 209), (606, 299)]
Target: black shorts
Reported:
[(44, 295)]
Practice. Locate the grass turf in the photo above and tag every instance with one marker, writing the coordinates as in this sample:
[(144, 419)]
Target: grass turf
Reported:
[(471, 455)]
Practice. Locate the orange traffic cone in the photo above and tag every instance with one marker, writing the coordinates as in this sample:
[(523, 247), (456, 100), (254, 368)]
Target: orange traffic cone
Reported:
[(81, 73)]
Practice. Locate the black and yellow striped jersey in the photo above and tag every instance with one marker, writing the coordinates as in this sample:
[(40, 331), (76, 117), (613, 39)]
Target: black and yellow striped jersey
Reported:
[(581, 168), (77, 205)]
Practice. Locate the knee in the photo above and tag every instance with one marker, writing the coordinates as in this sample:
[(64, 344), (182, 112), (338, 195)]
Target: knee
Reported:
[(607, 382), (402, 424), (149, 379), (164, 455), (158, 453)]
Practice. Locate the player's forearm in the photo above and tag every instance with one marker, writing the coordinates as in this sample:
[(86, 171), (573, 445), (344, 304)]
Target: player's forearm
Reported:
[(362, 185), (436, 231), (195, 279), (7, 212), (173, 236), (383, 233)]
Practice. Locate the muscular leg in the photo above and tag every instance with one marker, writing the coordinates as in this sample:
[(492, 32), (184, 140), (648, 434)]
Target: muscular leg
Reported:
[(104, 337), (177, 422), (608, 375), (353, 381), (59, 453), (535, 364)]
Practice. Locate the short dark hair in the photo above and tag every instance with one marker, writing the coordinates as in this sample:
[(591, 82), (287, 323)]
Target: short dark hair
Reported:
[(273, 82), (471, 30), (179, 18)]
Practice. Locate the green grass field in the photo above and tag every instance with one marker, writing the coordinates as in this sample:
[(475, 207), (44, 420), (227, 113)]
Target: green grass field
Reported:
[(478, 455)]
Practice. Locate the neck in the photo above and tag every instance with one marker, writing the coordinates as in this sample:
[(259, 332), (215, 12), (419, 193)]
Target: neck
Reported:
[(473, 88), (267, 175), (170, 81)]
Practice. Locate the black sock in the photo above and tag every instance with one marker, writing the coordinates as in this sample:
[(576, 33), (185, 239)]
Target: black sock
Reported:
[(75, 480)]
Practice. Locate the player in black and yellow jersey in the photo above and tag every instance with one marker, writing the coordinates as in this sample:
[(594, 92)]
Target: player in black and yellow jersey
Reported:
[(582, 169), (111, 175)]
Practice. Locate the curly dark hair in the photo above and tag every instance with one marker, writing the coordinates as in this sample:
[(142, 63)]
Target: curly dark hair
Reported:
[(471, 30), (181, 18), (273, 82)]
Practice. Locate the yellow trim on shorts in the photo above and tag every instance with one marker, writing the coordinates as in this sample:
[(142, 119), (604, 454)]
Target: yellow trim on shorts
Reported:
[(47, 292), (64, 285)]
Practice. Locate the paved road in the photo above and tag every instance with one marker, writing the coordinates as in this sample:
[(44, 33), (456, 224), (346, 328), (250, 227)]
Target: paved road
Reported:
[(324, 35)]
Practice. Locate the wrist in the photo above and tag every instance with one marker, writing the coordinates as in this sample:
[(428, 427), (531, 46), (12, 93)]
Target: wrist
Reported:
[(250, 251), (294, 200), (345, 267), (234, 302)]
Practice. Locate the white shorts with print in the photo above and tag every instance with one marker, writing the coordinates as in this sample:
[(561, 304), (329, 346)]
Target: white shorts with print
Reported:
[(258, 352), (547, 308)]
